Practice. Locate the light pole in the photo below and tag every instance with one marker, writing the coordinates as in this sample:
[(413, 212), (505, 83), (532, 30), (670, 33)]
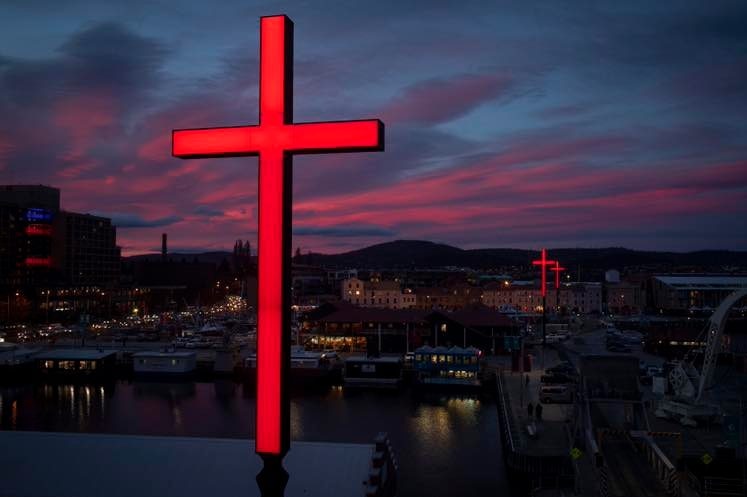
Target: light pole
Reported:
[(46, 292)]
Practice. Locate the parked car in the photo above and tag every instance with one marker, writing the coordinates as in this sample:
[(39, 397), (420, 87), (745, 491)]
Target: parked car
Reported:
[(558, 394)]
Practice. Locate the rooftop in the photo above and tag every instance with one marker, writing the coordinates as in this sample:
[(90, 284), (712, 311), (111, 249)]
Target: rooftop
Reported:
[(704, 282), (163, 354), (374, 359), (85, 465)]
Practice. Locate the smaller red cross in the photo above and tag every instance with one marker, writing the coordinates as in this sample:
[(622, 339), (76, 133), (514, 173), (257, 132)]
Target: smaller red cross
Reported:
[(544, 264), (557, 268)]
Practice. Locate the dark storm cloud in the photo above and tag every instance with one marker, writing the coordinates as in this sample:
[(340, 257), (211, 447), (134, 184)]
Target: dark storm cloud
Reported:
[(105, 56), (125, 220), (68, 114)]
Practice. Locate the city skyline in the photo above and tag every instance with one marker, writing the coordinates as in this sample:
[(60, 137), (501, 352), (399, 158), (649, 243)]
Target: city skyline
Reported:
[(508, 126)]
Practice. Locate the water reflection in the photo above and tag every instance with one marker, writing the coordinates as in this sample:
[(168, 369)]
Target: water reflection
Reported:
[(167, 391), (438, 438)]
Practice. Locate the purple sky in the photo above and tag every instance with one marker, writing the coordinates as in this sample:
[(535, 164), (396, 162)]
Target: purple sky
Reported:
[(509, 124)]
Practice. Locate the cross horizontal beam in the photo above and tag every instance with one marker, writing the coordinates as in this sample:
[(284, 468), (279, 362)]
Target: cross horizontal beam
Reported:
[(301, 138)]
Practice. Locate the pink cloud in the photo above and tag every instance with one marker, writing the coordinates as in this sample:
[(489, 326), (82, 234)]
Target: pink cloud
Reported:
[(81, 117)]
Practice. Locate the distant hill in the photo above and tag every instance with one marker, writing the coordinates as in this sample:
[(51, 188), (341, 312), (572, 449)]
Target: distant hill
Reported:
[(424, 254), (402, 254)]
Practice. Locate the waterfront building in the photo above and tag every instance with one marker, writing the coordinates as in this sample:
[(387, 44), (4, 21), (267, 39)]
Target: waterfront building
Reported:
[(76, 362), (350, 328), (478, 327), (346, 327), (526, 296), (684, 292), (377, 293), (457, 295)]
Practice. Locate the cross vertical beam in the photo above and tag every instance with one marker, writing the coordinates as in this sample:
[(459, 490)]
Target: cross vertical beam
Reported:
[(274, 235)]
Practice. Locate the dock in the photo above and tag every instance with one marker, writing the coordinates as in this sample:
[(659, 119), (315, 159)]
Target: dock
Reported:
[(536, 453), (36, 464)]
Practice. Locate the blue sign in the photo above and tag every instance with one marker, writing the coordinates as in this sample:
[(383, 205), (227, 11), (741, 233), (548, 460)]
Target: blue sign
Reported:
[(34, 215)]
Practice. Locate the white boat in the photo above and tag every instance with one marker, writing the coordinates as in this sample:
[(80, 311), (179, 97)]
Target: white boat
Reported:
[(165, 363)]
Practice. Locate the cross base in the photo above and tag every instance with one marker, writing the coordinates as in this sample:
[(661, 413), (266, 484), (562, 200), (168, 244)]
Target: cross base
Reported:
[(273, 478)]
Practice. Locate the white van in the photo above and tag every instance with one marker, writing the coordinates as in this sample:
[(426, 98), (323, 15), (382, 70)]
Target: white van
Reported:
[(556, 394)]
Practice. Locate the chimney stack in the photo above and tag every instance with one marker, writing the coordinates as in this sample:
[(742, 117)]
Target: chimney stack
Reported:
[(163, 247)]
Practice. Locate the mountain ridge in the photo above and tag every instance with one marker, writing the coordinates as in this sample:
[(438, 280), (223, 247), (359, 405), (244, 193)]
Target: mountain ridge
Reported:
[(403, 254)]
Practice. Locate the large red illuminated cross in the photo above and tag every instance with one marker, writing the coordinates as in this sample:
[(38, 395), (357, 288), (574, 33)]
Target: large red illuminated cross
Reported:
[(544, 264), (275, 140)]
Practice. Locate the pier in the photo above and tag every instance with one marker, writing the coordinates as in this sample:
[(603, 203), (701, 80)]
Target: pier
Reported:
[(536, 453)]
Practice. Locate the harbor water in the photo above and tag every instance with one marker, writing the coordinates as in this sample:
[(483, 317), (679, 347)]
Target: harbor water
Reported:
[(447, 445)]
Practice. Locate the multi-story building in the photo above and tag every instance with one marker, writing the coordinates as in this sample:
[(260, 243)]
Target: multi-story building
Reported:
[(457, 296), (42, 245), (525, 296), (87, 254), (377, 293), (26, 235)]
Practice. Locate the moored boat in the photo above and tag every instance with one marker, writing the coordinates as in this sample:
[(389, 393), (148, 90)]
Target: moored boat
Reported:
[(373, 372), (171, 363), (305, 365)]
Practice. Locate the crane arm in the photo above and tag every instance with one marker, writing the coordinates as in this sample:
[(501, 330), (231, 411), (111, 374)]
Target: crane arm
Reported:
[(716, 325)]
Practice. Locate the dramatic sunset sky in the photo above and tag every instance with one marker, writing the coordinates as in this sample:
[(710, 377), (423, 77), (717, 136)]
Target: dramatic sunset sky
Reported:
[(508, 124)]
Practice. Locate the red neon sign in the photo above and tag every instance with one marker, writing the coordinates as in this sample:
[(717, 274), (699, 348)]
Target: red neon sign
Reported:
[(543, 263), (38, 261), (275, 140), (557, 268), (39, 230)]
